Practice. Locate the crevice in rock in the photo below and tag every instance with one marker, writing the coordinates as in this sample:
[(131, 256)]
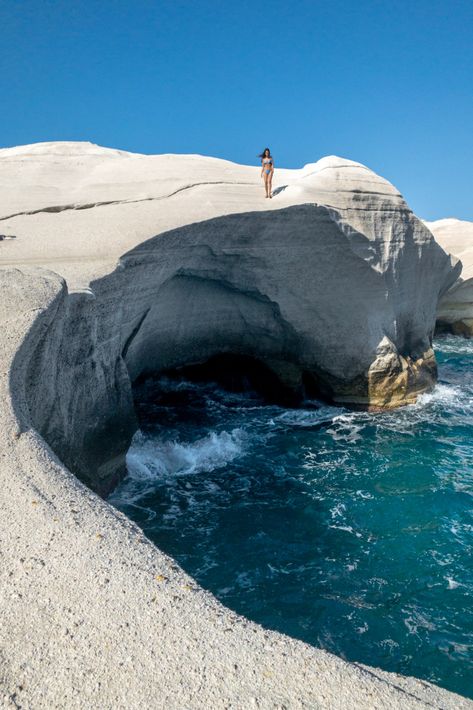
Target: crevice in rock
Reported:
[(133, 333), (89, 205)]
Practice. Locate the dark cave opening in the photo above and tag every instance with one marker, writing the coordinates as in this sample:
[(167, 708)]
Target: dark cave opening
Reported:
[(241, 373), (235, 373)]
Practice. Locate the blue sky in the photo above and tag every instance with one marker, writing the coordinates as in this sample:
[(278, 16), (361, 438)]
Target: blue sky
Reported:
[(389, 84)]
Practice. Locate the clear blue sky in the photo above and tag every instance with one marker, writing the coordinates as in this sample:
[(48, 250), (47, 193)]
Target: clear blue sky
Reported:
[(387, 83)]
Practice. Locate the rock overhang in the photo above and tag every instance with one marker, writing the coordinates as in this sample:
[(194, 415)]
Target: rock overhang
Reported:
[(334, 284), (91, 333), (293, 288)]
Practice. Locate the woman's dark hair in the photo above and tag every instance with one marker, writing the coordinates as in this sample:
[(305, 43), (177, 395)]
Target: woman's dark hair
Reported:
[(262, 155)]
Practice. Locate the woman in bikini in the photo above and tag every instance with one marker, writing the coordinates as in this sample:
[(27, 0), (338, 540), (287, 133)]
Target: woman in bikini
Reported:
[(267, 170)]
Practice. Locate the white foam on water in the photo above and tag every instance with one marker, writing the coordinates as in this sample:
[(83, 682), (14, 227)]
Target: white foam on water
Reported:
[(278, 570), (346, 528), (389, 643), (338, 511), (308, 417), (441, 394), (442, 561), (322, 460), (346, 427), (362, 629), (150, 460), (364, 495), (417, 619), (162, 459)]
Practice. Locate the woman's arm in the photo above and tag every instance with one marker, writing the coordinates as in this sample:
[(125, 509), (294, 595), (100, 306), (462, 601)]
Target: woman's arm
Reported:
[(262, 167)]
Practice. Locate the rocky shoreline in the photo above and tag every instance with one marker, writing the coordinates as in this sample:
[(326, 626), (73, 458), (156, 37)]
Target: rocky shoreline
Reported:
[(94, 614)]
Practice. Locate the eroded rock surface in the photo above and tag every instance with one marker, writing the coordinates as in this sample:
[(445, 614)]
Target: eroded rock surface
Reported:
[(333, 285), (455, 312)]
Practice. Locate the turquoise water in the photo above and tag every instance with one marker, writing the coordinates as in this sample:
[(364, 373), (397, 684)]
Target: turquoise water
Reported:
[(351, 531)]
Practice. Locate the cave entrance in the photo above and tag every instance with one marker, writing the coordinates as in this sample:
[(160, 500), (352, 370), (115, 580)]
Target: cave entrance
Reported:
[(232, 372), (240, 373)]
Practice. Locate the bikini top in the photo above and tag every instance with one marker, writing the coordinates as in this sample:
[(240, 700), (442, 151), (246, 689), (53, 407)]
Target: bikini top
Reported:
[(267, 160)]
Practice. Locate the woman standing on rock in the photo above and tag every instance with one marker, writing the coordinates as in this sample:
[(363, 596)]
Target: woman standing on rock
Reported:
[(267, 170)]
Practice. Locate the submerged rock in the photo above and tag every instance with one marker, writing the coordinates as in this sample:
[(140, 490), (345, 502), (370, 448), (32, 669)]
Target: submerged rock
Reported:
[(455, 312)]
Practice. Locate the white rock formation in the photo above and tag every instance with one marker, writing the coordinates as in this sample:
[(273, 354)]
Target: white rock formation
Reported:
[(455, 312), (333, 285)]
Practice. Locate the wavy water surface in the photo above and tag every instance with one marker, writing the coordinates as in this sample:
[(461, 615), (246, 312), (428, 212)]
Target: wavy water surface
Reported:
[(352, 531)]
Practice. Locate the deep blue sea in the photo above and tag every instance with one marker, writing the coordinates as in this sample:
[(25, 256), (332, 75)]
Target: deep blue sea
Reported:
[(350, 530)]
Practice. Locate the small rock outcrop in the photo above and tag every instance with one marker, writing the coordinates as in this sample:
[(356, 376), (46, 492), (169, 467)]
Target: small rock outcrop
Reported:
[(455, 311)]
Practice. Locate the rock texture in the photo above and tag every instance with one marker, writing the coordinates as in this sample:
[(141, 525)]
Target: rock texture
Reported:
[(455, 312), (124, 265), (333, 284)]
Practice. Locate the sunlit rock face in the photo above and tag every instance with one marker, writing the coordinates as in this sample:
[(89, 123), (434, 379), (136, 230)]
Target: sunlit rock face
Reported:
[(455, 312), (170, 261)]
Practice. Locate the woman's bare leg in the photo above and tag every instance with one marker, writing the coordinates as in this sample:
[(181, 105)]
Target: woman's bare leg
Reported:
[(266, 183), (270, 184)]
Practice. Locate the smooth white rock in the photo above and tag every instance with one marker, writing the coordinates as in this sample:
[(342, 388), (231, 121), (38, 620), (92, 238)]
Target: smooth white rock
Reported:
[(455, 312)]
